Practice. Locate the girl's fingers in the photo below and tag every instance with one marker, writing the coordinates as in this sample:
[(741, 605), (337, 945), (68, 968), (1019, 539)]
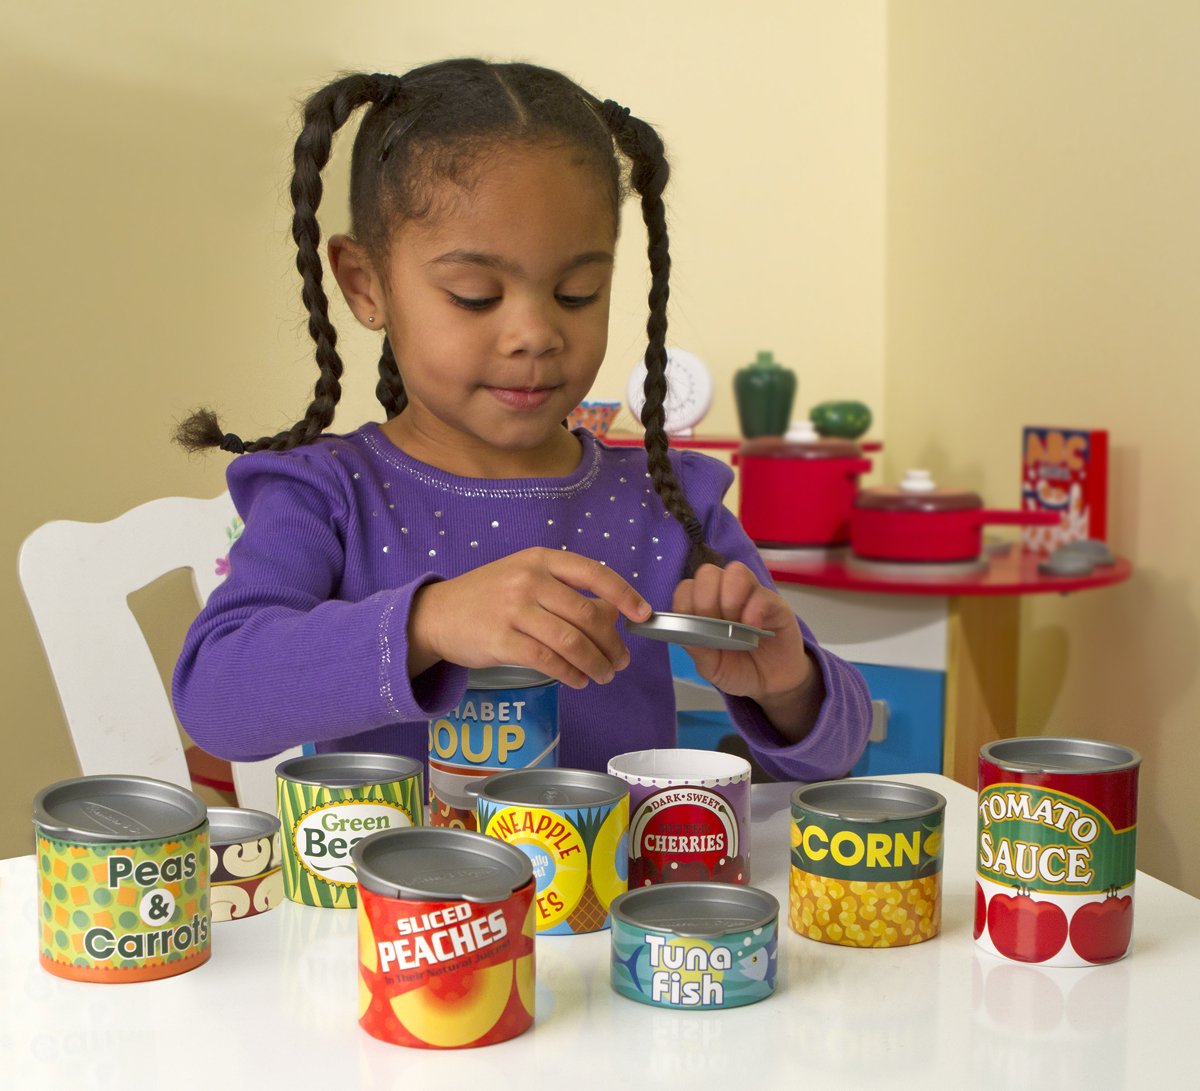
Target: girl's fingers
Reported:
[(585, 574)]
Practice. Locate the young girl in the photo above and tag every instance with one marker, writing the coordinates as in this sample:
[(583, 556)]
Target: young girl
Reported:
[(472, 529)]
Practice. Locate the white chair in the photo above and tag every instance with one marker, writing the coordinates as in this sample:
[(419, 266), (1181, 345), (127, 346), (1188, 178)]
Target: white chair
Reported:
[(77, 578)]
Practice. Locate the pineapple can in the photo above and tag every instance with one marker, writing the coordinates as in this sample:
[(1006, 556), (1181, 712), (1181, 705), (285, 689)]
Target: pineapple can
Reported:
[(327, 804), (573, 824), (1057, 838)]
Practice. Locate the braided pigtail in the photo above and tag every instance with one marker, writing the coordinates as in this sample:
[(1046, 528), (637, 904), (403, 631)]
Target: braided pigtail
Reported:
[(648, 175), (390, 388), (324, 114)]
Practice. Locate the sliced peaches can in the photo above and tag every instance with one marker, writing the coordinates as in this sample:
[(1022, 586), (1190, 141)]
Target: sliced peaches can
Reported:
[(445, 938), (1056, 850), (866, 863)]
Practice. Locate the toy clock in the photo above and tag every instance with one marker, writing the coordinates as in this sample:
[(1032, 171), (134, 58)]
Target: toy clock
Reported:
[(689, 392)]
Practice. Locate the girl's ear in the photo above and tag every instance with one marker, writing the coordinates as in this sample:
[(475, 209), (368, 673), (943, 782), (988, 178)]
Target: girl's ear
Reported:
[(357, 278)]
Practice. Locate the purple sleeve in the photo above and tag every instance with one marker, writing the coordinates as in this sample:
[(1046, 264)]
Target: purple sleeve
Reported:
[(839, 736), (276, 659)]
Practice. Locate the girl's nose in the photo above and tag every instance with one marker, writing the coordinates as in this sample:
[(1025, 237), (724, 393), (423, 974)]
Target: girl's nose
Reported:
[(531, 328)]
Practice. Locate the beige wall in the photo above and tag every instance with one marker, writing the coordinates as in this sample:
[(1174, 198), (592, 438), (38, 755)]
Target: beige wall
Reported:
[(148, 266), (1043, 233)]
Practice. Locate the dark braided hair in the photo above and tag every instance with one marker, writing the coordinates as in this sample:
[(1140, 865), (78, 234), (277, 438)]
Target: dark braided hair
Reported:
[(430, 126)]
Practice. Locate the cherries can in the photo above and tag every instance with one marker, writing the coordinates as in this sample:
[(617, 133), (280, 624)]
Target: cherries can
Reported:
[(1057, 838)]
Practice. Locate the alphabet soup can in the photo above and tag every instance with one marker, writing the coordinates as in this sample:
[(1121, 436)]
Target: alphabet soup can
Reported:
[(330, 802), (866, 866), (1057, 838), (573, 824), (445, 938), (507, 719), (123, 879)]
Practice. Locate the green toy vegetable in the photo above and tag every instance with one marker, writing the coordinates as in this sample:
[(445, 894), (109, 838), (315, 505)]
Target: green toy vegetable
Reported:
[(846, 420)]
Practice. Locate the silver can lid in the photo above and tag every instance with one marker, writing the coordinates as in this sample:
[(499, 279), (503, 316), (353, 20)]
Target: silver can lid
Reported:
[(232, 825), (506, 677), (867, 800), (553, 788), (1055, 755), (433, 864), (347, 770), (116, 808), (699, 910), (701, 632)]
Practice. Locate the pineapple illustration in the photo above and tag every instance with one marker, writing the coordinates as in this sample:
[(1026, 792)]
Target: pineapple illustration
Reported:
[(591, 912)]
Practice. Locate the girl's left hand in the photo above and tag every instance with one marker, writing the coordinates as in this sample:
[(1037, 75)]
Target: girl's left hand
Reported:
[(777, 674)]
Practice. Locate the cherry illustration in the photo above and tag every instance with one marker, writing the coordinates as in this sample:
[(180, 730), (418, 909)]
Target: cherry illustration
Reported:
[(1100, 931), (1024, 929)]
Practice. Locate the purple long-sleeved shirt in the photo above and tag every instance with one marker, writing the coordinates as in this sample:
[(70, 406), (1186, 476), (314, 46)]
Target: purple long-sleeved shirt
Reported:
[(306, 640)]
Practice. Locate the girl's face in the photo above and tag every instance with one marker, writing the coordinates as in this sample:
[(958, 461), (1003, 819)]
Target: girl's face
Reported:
[(497, 310)]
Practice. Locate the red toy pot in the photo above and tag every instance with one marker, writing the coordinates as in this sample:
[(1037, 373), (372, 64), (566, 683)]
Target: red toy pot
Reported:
[(919, 522), (798, 493)]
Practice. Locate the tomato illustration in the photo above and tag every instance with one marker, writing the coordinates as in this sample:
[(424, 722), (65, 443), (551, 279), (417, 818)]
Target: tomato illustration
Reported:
[(980, 910), (1024, 929), (1100, 931)]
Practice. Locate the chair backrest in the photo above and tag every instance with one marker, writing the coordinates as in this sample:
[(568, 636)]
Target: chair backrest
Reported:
[(77, 578)]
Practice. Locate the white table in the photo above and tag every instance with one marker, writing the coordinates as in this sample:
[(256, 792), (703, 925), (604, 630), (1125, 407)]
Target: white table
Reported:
[(276, 1006)]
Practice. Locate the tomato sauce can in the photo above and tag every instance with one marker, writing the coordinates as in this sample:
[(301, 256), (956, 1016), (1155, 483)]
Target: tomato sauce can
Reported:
[(445, 938), (507, 719), (330, 802), (866, 863), (573, 824), (694, 945), (244, 862), (1057, 839), (123, 879)]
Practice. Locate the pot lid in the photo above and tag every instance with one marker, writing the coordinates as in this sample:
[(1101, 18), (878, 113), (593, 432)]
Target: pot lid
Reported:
[(782, 447), (917, 492)]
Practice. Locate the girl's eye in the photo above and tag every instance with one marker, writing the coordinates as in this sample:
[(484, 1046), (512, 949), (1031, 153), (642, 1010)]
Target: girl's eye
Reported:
[(473, 303), (577, 300)]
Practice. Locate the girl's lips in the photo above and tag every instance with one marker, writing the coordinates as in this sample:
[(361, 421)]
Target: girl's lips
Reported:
[(520, 397)]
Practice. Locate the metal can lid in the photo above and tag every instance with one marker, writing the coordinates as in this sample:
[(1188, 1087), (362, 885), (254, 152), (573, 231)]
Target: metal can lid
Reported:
[(116, 808), (867, 800), (553, 788), (1056, 755), (432, 864), (232, 825), (506, 677), (348, 770), (701, 632), (700, 910)]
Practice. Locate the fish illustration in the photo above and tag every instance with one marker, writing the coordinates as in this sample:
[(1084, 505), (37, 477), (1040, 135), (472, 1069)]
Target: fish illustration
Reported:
[(759, 965), (630, 965)]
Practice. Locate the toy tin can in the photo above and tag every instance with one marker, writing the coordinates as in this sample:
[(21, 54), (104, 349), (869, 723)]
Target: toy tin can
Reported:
[(330, 802), (1057, 839), (694, 945), (507, 719), (445, 938), (866, 863), (122, 878), (689, 815), (244, 862), (573, 825)]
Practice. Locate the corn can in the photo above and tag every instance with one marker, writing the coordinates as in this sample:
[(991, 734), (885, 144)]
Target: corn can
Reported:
[(573, 824), (507, 719), (123, 879), (330, 802), (1057, 840), (244, 862), (694, 945), (445, 938), (866, 865)]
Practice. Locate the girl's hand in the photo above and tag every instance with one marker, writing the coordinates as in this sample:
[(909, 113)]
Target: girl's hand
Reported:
[(527, 609), (778, 674)]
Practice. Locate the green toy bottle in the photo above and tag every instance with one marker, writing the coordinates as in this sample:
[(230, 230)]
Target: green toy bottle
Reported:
[(764, 391)]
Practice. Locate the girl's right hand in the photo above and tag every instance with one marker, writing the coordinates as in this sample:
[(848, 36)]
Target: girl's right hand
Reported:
[(528, 610)]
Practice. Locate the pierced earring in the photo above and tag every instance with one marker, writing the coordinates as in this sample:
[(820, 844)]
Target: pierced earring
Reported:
[(371, 319)]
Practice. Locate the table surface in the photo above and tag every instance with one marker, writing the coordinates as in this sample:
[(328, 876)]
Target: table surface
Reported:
[(276, 1006)]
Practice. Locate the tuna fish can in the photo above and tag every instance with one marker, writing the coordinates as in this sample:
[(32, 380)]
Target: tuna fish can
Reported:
[(507, 719), (445, 938), (122, 878), (573, 825), (695, 945), (244, 862), (330, 802), (866, 865), (1057, 839)]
